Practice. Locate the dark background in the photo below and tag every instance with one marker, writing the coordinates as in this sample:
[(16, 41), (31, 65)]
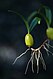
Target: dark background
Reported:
[(12, 32)]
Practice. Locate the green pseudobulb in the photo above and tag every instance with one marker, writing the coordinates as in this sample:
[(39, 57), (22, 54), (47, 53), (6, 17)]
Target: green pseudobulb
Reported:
[(29, 40), (49, 33)]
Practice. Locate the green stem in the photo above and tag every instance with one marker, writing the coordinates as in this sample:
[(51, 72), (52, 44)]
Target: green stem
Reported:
[(45, 19), (43, 7), (26, 23)]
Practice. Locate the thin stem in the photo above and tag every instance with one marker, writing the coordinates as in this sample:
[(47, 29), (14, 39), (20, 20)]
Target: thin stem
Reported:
[(25, 21)]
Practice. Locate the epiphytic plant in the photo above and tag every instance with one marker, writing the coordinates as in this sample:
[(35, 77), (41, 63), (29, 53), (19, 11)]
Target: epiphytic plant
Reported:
[(36, 53)]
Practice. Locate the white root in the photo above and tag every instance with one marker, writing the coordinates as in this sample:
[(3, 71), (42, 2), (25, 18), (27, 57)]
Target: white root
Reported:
[(37, 56), (49, 45), (20, 56), (32, 63), (48, 51), (29, 62), (37, 66), (42, 60)]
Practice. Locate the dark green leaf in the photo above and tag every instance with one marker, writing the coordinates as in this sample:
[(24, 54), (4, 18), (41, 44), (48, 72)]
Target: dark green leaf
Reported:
[(31, 16), (48, 14), (34, 23)]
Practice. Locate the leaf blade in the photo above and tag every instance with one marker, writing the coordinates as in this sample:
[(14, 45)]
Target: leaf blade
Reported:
[(48, 14), (31, 16), (34, 23)]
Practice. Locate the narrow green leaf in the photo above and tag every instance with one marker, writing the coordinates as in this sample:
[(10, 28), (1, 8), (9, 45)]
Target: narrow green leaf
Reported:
[(34, 23), (25, 21), (31, 16), (48, 14), (45, 18)]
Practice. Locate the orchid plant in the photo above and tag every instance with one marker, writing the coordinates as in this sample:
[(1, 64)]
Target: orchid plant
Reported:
[(36, 53)]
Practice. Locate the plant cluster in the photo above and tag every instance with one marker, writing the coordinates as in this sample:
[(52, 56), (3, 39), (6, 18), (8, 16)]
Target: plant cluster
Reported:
[(30, 23)]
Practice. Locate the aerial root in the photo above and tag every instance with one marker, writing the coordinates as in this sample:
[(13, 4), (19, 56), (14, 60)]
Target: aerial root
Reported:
[(37, 54), (29, 62), (20, 56), (47, 50)]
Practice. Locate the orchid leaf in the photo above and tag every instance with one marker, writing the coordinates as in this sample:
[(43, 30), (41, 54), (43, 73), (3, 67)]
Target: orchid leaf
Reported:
[(34, 23), (48, 14), (31, 16), (25, 21)]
